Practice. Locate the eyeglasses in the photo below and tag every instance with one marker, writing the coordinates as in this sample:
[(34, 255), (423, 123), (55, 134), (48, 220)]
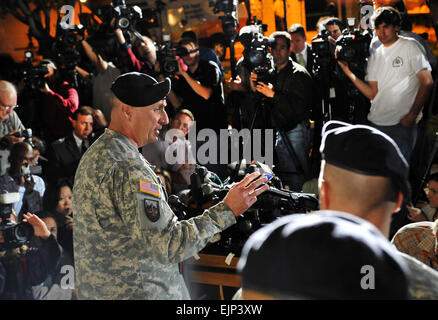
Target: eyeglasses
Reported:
[(7, 108)]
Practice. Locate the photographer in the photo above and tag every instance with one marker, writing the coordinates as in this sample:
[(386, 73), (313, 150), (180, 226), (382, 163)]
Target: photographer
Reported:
[(25, 266), (290, 97), (101, 82), (398, 81), (10, 123), (60, 101), (30, 187), (199, 89), (143, 60)]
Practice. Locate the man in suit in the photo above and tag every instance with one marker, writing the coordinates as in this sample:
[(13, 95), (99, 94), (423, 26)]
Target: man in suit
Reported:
[(64, 154), (301, 51)]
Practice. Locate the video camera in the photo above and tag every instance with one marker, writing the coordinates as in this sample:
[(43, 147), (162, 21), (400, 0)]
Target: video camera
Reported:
[(126, 17), (257, 53), (68, 57), (34, 77), (167, 56), (323, 53), (14, 234), (353, 47), (207, 189)]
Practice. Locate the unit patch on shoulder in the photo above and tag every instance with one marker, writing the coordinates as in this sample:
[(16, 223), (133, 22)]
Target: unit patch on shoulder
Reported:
[(149, 188), (151, 208)]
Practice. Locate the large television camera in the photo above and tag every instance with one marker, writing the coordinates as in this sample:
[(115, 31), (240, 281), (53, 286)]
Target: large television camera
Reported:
[(126, 16), (353, 47), (323, 54), (68, 57), (257, 53), (14, 234), (207, 189), (167, 55)]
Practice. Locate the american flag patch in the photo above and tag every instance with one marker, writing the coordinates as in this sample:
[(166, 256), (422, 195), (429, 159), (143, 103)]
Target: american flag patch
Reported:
[(150, 188)]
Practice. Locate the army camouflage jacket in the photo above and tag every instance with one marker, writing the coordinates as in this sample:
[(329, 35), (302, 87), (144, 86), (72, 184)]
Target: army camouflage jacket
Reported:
[(127, 240)]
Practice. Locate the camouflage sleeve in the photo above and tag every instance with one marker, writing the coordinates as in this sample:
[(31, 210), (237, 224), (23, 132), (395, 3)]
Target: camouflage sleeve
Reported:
[(164, 238)]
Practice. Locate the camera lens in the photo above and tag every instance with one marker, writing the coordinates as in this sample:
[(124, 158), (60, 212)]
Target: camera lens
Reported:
[(124, 23), (23, 232)]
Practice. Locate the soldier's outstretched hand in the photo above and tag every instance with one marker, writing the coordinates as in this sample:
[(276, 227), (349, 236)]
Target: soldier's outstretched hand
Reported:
[(244, 194)]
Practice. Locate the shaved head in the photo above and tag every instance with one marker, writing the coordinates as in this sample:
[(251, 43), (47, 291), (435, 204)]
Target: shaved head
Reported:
[(372, 198)]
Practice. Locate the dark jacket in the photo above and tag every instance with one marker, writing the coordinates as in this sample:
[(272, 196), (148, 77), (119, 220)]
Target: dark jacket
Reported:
[(33, 268), (64, 156), (293, 96), (309, 58)]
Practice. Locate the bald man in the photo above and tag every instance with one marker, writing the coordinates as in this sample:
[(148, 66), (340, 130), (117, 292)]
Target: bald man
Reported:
[(364, 173), (10, 123)]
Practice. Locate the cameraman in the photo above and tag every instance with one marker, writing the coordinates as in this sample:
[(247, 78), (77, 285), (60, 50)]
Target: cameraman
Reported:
[(334, 26), (60, 102), (398, 81), (290, 97), (25, 267), (145, 58)]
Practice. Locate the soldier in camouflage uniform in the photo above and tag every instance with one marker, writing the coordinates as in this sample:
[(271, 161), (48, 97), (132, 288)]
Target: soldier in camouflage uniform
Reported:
[(365, 174), (127, 240)]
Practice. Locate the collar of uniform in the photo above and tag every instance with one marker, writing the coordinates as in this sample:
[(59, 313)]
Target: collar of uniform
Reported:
[(121, 137)]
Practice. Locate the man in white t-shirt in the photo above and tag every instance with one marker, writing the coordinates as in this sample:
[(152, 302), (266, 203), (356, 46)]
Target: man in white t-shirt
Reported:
[(398, 81)]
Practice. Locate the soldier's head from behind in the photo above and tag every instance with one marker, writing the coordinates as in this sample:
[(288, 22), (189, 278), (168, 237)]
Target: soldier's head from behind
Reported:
[(363, 173), (138, 107), (320, 256), (8, 99)]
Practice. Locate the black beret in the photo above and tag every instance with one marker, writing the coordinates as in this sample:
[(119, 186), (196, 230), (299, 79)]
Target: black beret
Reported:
[(139, 90), (325, 255), (365, 150)]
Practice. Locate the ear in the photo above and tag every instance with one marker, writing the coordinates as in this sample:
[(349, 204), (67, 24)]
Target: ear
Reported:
[(127, 111), (398, 203)]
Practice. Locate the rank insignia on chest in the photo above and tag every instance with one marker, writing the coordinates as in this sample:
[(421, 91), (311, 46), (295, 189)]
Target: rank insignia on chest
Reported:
[(149, 188), (151, 207)]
